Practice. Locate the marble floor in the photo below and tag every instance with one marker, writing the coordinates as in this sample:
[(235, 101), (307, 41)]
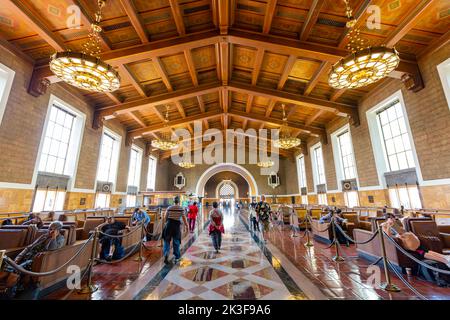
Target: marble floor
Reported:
[(247, 268), (240, 271)]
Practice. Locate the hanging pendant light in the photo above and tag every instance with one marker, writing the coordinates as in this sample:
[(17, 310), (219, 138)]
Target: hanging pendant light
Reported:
[(165, 143), (186, 164), (286, 141), (85, 70), (365, 65), (265, 164)]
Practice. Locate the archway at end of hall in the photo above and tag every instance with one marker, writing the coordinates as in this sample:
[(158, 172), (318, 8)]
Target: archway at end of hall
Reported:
[(232, 167), (227, 189)]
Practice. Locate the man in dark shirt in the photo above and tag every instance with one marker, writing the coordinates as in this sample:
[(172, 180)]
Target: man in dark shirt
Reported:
[(114, 228)]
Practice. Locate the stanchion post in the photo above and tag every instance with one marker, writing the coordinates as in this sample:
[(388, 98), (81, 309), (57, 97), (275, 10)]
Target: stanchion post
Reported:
[(90, 288), (163, 218), (388, 286), (308, 240), (338, 256), (139, 258), (2, 254)]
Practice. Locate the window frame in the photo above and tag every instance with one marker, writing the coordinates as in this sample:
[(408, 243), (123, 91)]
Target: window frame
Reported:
[(301, 172), (52, 138), (138, 166), (4, 96), (375, 134), (148, 172), (385, 139), (337, 155), (444, 74), (115, 156), (74, 147), (315, 167)]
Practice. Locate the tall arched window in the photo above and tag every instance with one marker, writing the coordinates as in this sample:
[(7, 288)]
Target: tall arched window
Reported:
[(226, 191)]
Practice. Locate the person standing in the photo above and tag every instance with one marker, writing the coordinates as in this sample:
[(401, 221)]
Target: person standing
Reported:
[(172, 230), (263, 210), (192, 216), (141, 216), (216, 226)]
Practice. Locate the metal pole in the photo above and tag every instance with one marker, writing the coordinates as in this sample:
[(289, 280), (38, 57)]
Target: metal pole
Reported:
[(338, 256), (139, 258), (308, 240), (90, 288), (388, 286)]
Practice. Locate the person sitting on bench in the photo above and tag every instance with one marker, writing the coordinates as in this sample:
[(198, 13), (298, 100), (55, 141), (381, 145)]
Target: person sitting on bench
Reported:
[(339, 220), (114, 228), (50, 241), (410, 242)]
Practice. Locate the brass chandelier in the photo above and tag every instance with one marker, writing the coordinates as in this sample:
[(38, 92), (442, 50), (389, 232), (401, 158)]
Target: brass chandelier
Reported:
[(365, 65), (286, 141), (265, 164), (186, 164), (165, 143), (85, 69)]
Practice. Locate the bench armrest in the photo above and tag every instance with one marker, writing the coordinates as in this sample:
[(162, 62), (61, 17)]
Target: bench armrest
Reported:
[(445, 238)]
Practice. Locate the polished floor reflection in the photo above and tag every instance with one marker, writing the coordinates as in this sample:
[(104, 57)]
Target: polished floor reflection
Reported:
[(240, 271), (246, 268)]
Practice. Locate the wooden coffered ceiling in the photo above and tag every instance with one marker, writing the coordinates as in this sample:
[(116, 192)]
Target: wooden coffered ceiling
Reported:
[(227, 63)]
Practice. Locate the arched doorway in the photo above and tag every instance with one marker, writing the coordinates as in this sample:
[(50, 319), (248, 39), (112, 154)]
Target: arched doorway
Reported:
[(232, 167), (227, 189)]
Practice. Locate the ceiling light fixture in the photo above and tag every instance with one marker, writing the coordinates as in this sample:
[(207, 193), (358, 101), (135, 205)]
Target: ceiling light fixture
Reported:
[(85, 70), (165, 143), (365, 65), (286, 141)]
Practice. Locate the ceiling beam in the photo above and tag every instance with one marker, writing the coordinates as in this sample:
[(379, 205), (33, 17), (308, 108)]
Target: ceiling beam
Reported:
[(336, 94), (113, 97), (156, 49), (224, 93), (224, 61), (30, 17), (272, 104), (311, 19), (286, 71), (132, 14), (137, 119), (153, 101), (201, 104), (248, 107), (435, 45), (215, 13), (279, 122), (323, 68), (244, 124), (133, 134), (180, 108), (287, 97), (408, 22), (257, 66), (191, 67), (223, 7), (313, 117), (127, 74), (160, 69), (269, 14), (194, 147), (177, 17)]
